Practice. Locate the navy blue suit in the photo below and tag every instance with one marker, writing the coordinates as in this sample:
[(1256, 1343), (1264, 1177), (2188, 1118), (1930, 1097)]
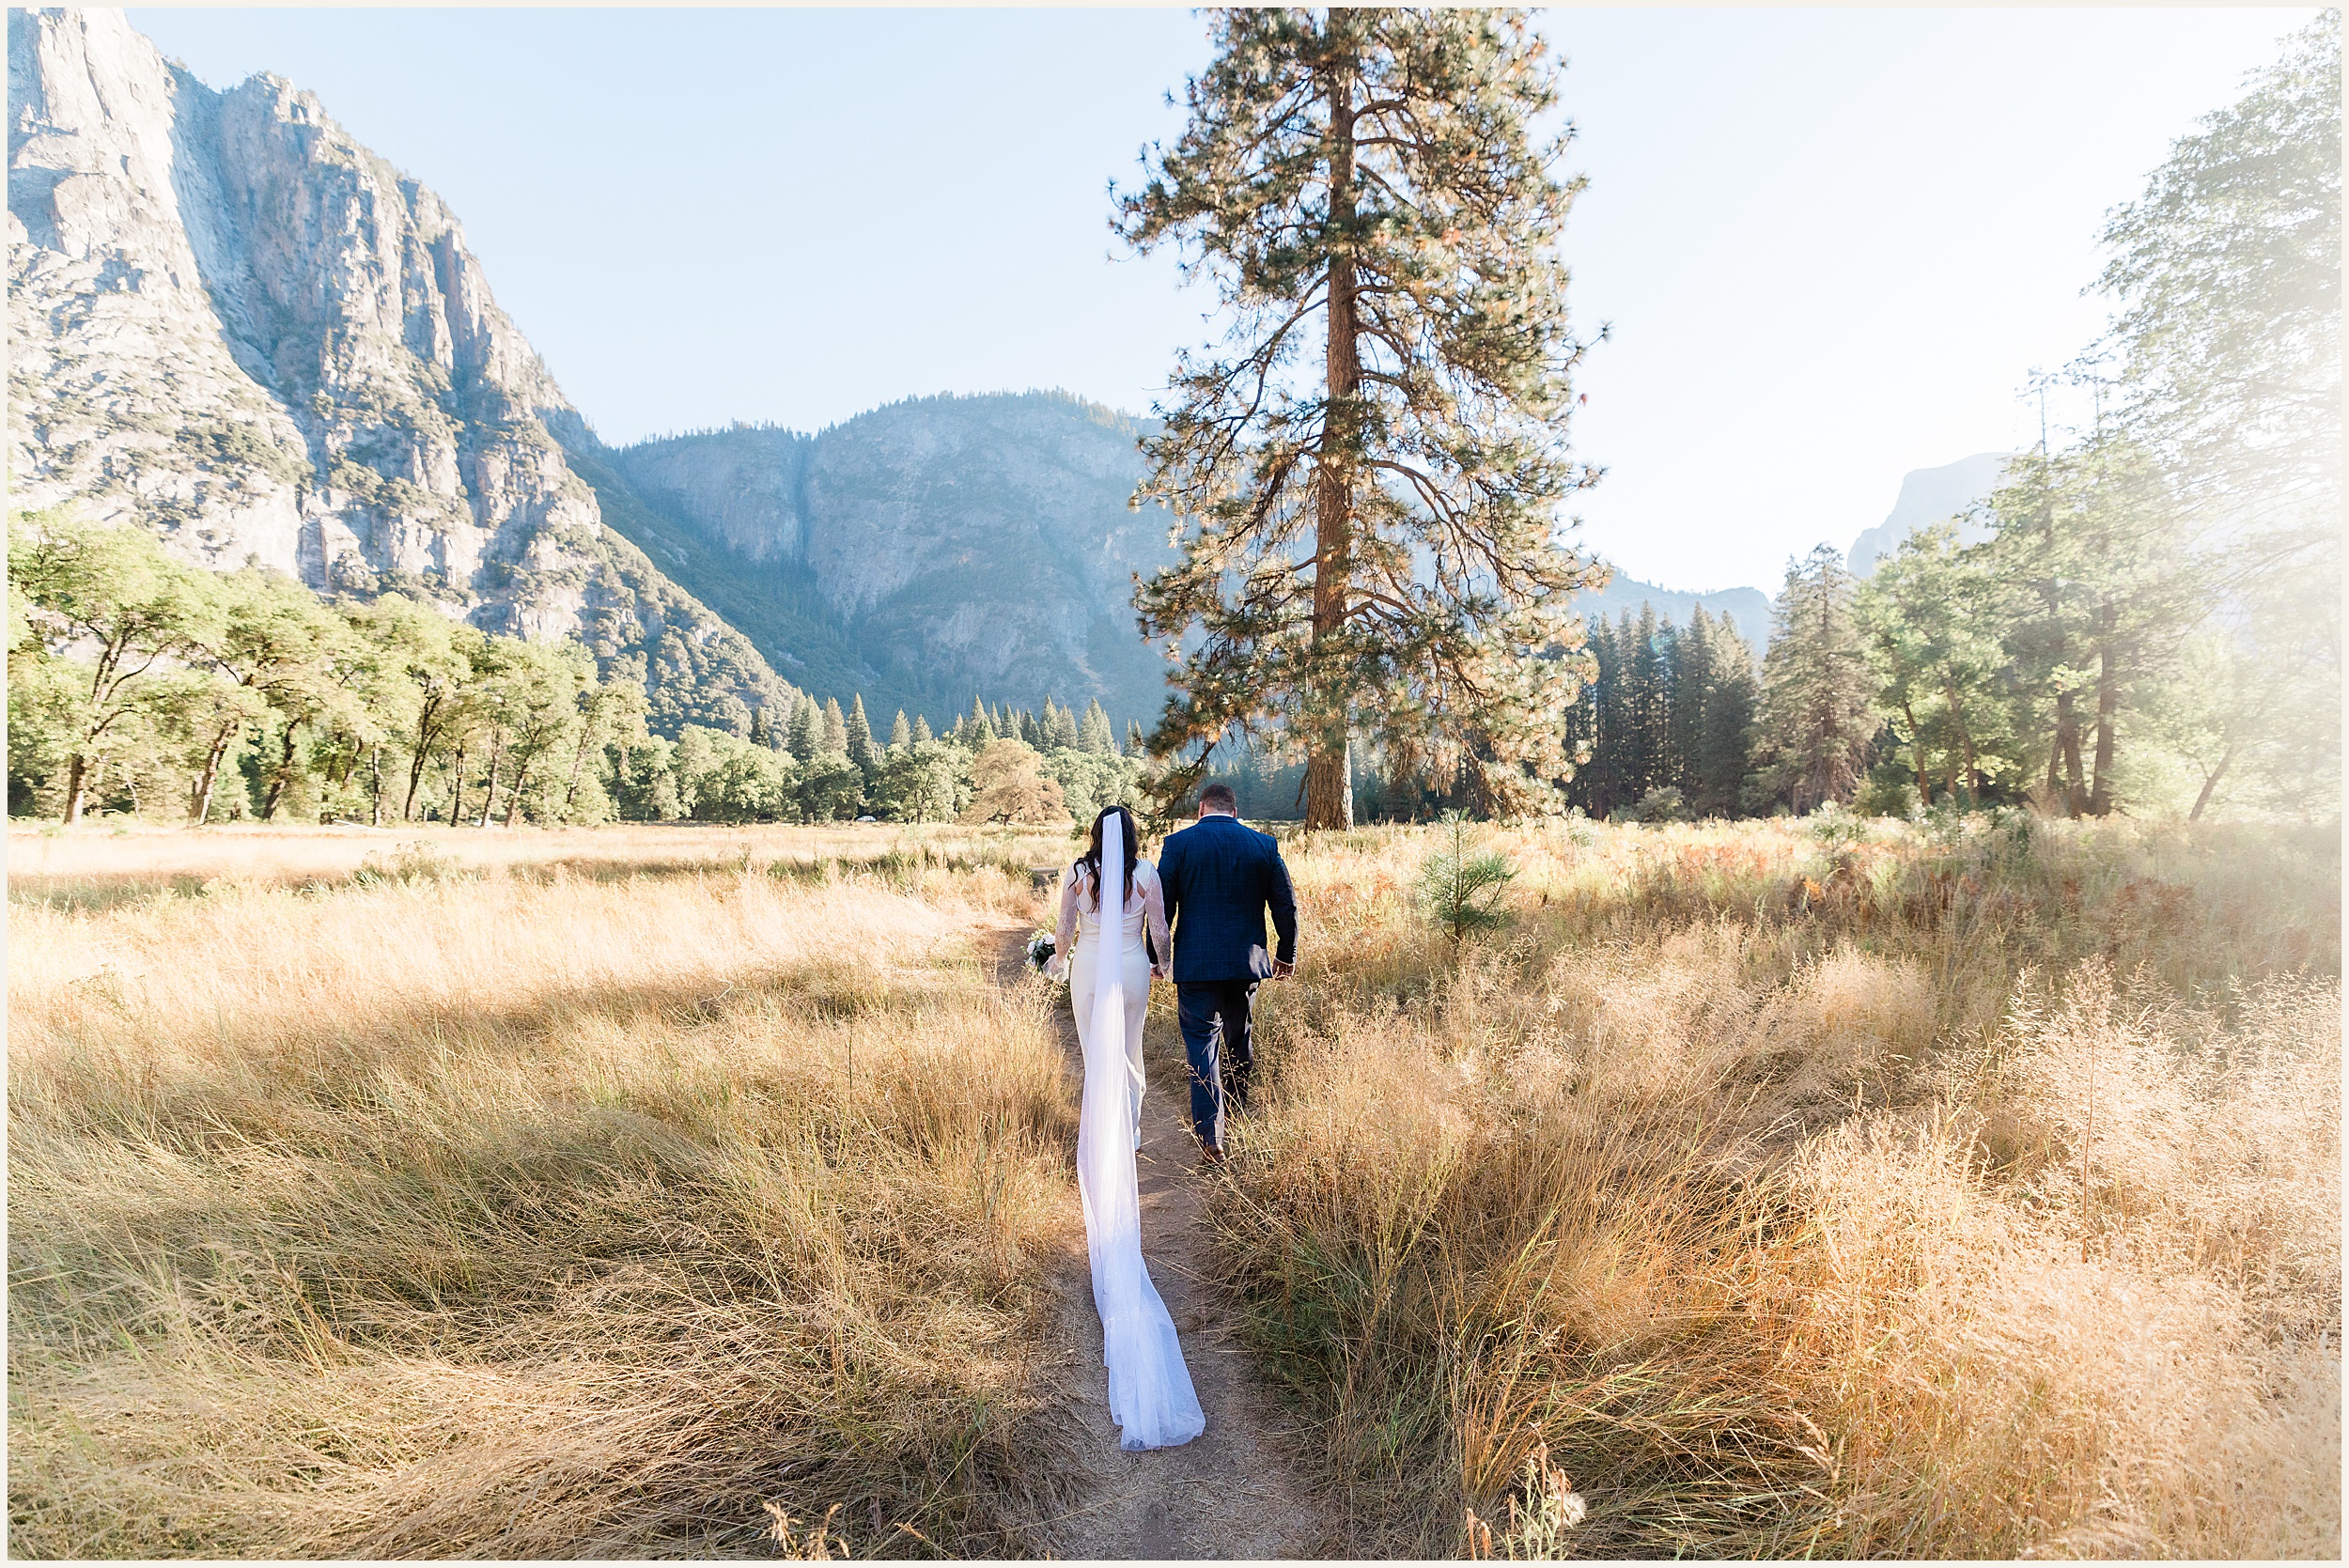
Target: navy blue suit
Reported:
[(1219, 877)]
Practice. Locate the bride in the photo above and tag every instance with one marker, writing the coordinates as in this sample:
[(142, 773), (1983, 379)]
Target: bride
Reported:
[(1109, 986)]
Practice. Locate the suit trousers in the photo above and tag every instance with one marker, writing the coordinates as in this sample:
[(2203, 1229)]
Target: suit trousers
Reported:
[(1214, 1016)]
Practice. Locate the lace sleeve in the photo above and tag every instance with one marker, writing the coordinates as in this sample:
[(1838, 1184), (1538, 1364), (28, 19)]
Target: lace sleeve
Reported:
[(1154, 915), (1064, 938)]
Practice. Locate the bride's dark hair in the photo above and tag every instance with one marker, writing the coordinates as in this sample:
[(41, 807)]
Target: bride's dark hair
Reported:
[(1091, 859)]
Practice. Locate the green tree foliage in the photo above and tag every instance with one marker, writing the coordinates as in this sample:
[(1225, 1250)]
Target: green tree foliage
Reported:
[(929, 781), (1931, 617), (1733, 708), (722, 778), (860, 745), (1461, 889), (1818, 695), (2227, 275), (1374, 543), (1095, 735), (1666, 726), (805, 734), (139, 612)]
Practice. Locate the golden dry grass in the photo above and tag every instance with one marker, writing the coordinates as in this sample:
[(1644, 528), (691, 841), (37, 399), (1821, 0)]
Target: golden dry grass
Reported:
[(621, 1191), (1745, 1172), (529, 1214)]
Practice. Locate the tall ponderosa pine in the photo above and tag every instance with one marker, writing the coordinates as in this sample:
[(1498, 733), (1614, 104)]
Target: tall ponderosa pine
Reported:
[(1818, 709), (1375, 544), (835, 734)]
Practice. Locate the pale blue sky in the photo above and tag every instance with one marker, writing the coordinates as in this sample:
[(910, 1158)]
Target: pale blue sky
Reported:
[(1832, 244)]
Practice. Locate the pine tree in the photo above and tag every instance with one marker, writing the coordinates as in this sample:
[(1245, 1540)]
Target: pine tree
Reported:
[(1693, 678), (1732, 700), (1818, 698), (922, 736), (1095, 735), (861, 748), (900, 735), (1376, 551), (1135, 744), (2091, 538), (1595, 725), (835, 731), (1030, 731), (805, 728), (1060, 728), (978, 729), (1646, 706), (761, 733)]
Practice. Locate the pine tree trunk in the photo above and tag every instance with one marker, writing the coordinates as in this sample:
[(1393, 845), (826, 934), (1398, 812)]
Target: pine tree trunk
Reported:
[(2210, 784), (207, 781), (2108, 710), (514, 797), (278, 780), (375, 770), (1329, 777), (1965, 738), (579, 768), (490, 790), (2067, 755), (1917, 753), (76, 785)]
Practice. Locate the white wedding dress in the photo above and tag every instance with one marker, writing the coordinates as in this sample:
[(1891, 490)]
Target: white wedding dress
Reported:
[(1151, 1398)]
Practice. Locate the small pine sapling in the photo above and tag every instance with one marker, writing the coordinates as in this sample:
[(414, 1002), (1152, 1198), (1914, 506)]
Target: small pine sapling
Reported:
[(1461, 891)]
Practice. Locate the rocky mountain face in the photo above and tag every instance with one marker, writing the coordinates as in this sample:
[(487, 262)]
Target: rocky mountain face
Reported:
[(232, 323), (1931, 495), (923, 551)]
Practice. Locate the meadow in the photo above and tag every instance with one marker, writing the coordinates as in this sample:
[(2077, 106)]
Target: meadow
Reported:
[(1956, 1188)]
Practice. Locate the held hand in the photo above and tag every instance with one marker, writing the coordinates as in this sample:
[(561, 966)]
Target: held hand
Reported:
[(1056, 968), (1158, 971), (1282, 970)]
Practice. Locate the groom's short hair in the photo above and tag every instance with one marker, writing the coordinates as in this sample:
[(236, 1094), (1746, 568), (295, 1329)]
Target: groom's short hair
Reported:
[(1218, 797)]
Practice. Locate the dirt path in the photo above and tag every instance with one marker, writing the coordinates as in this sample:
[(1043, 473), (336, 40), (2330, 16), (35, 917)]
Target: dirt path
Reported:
[(1230, 1492)]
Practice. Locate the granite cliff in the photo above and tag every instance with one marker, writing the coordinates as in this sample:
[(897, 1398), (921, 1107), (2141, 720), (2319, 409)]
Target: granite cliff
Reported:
[(234, 324), (920, 552), (1931, 495)]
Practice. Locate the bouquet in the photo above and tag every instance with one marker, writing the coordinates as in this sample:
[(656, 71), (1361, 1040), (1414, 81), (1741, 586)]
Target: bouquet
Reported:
[(1041, 949)]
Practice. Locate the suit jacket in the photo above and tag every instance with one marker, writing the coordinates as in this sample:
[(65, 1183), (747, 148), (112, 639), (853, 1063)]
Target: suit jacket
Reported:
[(1219, 877)]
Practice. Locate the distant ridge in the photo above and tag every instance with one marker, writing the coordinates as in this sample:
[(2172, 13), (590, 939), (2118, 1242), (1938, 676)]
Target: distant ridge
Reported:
[(1748, 607)]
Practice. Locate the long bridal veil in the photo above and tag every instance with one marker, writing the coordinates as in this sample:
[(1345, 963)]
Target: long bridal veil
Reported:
[(1150, 1392)]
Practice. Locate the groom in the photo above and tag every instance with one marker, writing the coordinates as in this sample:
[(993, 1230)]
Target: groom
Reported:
[(1218, 878)]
